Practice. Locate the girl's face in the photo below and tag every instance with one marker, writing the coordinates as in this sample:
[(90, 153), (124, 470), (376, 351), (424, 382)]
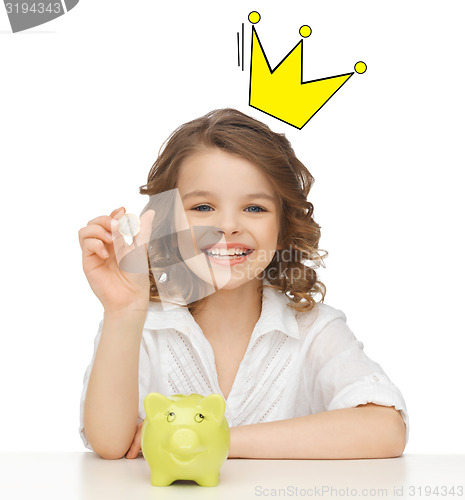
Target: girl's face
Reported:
[(237, 200)]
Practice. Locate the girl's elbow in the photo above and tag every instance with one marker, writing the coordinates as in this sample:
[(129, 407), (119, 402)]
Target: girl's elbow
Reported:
[(400, 443), (113, 451), (398, 437), (390, 432), (109, 453)]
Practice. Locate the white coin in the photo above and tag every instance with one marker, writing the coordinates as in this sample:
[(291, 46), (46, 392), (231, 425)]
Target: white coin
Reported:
[(129, 225)]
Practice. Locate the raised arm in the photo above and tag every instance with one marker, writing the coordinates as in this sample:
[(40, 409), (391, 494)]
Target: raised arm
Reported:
[(112, 399)]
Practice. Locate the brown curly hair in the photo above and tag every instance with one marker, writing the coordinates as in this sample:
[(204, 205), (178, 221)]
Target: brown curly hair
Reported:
[(242, 135)]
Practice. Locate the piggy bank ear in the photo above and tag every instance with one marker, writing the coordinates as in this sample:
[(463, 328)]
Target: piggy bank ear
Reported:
[(155, 403), (214, 405)]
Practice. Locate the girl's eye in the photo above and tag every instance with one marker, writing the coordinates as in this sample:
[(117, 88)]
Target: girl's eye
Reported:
[(260, 209), (200, 206)]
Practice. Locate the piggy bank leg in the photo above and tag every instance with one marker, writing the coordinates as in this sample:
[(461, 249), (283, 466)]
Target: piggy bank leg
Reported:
[(161, 479), (211, 479)]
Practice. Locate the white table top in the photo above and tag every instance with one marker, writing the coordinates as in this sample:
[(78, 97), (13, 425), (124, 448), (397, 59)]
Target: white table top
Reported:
[(86, 476)]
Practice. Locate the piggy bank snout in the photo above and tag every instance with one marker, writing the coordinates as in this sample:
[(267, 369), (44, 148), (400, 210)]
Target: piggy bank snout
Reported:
[(184, 442)]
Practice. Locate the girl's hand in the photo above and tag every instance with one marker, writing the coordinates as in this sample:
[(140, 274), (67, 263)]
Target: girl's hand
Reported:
[(103, 247), (134, 449)]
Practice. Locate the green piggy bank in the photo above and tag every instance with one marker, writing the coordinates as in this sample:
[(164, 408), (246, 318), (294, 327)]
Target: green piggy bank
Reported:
[(185, 437)]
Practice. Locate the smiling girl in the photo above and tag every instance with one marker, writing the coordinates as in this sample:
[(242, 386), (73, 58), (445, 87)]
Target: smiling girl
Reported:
[(296, 381)]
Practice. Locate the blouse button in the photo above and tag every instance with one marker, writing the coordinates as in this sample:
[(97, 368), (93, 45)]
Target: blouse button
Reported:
[(375, 378)]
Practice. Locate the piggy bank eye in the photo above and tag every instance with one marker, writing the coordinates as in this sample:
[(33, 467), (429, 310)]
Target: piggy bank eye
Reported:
[(199, 417), (171, 416)]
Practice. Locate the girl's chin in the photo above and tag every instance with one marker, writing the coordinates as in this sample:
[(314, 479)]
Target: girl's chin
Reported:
[(236, 279), (226, 276)]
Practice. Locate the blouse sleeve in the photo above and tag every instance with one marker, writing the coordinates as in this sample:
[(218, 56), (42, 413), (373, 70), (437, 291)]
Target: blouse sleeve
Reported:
[(341, 375), (144, 382)]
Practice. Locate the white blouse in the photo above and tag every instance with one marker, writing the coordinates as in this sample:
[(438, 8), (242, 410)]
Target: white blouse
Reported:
[(294, 365)]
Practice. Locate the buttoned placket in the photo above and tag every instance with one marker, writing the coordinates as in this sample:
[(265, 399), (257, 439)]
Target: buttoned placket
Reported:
[(206, 354)]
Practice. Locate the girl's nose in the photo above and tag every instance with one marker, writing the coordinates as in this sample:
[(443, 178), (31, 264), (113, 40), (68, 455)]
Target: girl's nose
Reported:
[(226, 219), (226, 231), (229, 225)]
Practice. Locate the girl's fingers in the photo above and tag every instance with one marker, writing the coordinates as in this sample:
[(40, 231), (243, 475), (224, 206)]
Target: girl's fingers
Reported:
[(136, 262), (105, 229), (116, 211), (133, 450), (99, 227), (105, 220), (135, 446), (89, 235), (95, 231), (93, 245)]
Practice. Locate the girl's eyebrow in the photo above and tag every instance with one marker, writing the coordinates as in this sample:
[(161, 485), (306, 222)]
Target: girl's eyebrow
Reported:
[(264, 196)]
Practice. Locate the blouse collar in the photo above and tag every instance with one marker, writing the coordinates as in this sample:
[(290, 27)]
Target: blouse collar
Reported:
[(275, 315)]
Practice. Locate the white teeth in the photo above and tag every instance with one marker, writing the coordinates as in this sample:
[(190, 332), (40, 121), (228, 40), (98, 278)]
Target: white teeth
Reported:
[(223, 252)]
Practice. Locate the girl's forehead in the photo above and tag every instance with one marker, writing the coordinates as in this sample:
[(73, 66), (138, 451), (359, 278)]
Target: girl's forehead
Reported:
[(216, 170)]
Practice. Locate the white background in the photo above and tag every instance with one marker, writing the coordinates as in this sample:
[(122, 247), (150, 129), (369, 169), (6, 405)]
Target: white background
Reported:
[(85, 104)]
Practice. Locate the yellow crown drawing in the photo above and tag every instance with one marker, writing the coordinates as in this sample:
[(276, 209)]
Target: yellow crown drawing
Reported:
[(280, 92)]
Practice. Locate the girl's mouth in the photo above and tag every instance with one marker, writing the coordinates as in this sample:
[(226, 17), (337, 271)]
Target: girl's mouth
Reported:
[(226, 259)]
